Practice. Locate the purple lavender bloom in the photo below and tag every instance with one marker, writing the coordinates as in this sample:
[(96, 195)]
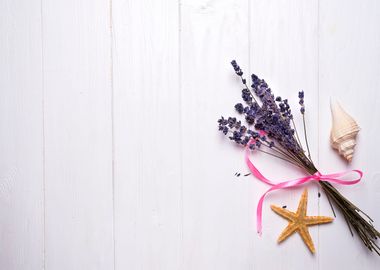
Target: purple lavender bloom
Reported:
[(245, 140), (246, 95), (243, 129), (301, 101), (231, 122), (258, 144), (273, 116), (253, 134), (222, 121), (237, 69), (236, 136), (240, 133), (223, 125), (250, 119)]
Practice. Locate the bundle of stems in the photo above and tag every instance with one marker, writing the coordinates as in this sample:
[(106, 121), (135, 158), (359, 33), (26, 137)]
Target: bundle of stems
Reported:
[(272, 116), (356, 219)]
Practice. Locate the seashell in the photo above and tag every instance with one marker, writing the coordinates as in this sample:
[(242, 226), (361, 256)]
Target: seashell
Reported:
[(343, 132)]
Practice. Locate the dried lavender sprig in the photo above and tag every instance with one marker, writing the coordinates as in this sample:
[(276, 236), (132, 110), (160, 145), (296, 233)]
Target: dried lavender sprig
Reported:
[(240, 73), (279, 99), (281, 116), (301, 96), (283, 133), (264, 93), (241, 135), (273, 119)]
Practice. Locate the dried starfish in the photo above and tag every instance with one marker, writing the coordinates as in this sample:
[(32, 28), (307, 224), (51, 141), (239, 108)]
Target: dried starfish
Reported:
[(299, 222)]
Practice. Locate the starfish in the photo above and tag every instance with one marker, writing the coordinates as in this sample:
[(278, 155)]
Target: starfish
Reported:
[(299, 222)]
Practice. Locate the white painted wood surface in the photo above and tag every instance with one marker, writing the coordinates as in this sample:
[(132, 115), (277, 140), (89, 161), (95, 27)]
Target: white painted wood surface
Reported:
[(77, 135), (110, 156)]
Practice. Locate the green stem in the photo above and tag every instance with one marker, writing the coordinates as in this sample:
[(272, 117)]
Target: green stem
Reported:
[(298, 138), (307, 143)]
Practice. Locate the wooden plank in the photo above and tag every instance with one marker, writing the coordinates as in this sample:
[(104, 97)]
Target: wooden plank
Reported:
[(218, 208), (350, 72), (78, 141), (147, 134), (21, 136), (284, 52)]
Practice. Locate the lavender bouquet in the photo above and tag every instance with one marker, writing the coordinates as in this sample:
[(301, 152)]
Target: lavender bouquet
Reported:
[(271, 130)]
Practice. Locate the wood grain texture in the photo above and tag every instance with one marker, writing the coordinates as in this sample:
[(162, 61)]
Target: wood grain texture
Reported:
[(349, 72), (21, 136), (78, 141), (148, 206), (218, 208), (110, 154)]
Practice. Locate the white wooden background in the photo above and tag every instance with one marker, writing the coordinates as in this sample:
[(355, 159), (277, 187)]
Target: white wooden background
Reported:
[(109, 152)]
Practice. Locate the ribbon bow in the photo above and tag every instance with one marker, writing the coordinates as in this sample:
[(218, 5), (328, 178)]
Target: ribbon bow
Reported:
[(332, 178)]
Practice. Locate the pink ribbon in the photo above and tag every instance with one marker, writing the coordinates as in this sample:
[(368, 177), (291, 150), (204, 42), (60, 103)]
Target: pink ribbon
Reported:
[(332, 178)]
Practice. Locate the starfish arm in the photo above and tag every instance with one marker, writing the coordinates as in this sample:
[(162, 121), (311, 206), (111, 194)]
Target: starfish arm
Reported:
[(288, 231), (314, 220), (283, 212), (302, 206), (306, 237)]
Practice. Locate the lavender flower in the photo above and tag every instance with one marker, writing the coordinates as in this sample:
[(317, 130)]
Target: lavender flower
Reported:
[(272, 131), (301, 101), (239, 108), (246, 95), (272, 116)]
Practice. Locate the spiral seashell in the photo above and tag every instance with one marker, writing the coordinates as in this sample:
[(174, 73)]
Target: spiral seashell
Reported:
[(343, 132)]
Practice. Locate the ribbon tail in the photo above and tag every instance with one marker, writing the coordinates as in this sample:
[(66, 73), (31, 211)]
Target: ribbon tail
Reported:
[(259, 215)]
